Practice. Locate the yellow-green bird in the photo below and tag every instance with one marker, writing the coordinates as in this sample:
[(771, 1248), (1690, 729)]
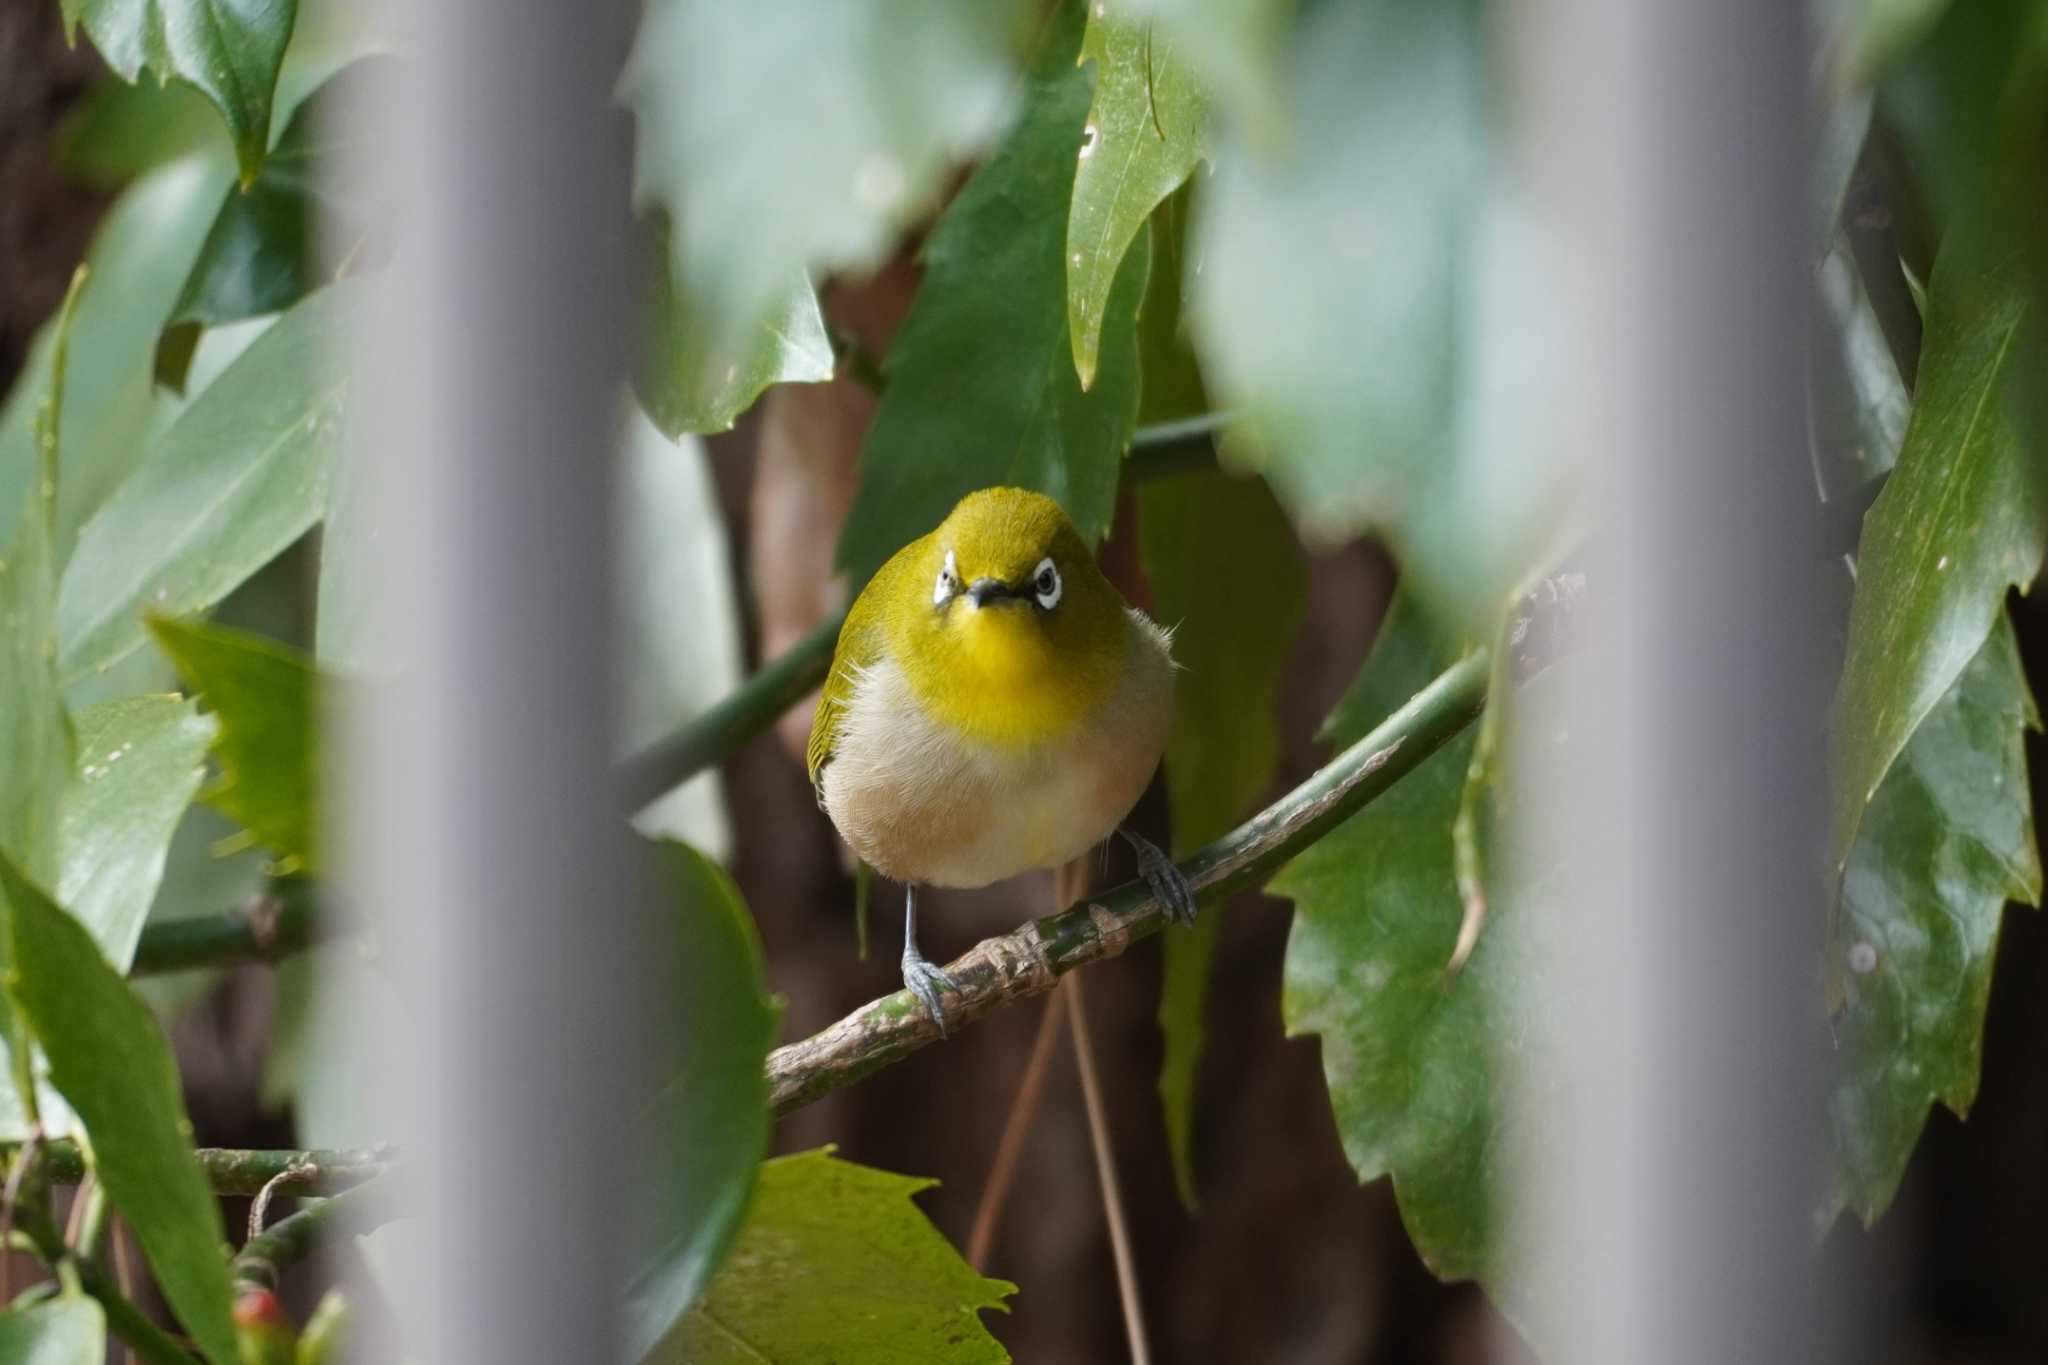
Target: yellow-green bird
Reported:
[(994, 707)]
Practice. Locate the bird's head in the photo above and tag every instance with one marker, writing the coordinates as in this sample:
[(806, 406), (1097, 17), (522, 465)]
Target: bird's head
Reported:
[(1015, 633)]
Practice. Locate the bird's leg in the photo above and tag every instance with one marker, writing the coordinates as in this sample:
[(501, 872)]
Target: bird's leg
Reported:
[(1172, 889), (924, 980)]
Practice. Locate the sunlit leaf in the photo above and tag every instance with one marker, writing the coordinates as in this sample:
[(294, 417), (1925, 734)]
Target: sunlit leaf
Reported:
[(1143, 136), (781, 137), (263, 696), (112, 1063), (1947, 842), (1227, 580), (1954, 528), (70, 1330), (1238, 49), (138, 257), (982, 388), (689, 384), (139, 762), (239, 476), (679, 632), (835, 1263), (708, 1125), (229, 50)]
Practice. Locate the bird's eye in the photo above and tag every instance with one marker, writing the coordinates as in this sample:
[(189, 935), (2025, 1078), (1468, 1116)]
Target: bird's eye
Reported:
[(1046, 583), (948, 584)]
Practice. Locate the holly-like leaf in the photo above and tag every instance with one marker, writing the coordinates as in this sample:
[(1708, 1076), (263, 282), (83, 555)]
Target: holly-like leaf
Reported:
[(708, 1125), (835, 1263), (1227, 580), (1143, 136), (239, 476), (1410, 1049), (69, 1330), (263, 696), (228, 50), (111, 1061), (781, 137), (1333, 308), (260, 255), (982, 388), (687, 383), (139, 762), (1947, 842), (1956, 525)]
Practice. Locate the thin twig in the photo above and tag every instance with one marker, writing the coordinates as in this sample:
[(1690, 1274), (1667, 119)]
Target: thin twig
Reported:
[(298, 1172), (1003, 1170), (1105, 1171), (265, 928)]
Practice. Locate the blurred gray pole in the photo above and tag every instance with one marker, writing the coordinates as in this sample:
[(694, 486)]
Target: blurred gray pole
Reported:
[(483, 825), (1663, 146)]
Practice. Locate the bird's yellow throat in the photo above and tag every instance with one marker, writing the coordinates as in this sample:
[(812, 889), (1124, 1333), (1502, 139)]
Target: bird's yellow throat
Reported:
[(997, 675)]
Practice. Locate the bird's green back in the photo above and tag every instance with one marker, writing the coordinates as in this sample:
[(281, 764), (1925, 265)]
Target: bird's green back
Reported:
[(861, 642)]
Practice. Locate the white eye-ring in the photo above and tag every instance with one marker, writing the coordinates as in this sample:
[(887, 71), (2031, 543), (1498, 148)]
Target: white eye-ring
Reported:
[(948, 584), (1045, 582)]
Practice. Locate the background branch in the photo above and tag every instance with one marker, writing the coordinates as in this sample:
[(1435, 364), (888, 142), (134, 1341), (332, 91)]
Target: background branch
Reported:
[(239, 1171)]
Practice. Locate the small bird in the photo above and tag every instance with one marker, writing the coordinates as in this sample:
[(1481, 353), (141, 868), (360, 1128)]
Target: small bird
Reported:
[(994, 707)]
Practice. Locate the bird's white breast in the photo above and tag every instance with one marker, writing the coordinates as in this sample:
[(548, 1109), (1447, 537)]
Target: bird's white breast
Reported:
[(921, 802)]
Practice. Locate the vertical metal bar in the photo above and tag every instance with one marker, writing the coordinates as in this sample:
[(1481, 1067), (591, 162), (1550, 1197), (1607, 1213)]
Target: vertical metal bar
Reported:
[(1663, 148), (482, 815)]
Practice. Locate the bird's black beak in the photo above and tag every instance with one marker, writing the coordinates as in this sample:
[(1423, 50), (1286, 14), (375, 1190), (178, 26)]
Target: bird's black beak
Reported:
[(987, 591)]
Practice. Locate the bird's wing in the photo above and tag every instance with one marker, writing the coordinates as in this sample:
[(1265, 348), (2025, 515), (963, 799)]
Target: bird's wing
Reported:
[(861, 642)]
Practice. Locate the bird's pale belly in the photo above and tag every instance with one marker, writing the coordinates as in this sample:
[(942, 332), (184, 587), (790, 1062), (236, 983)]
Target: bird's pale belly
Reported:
[(920, 803)]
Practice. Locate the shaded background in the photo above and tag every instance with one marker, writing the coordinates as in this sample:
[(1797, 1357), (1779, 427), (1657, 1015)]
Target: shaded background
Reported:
[(1289, 1259)]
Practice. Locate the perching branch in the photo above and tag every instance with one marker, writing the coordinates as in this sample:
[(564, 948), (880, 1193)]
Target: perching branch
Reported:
[(235, 1171), (1030, 960)]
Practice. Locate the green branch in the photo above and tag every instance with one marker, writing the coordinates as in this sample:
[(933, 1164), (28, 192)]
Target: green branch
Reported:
[(274, 925), (265, 1257), (235, 1171), (1030, 960)]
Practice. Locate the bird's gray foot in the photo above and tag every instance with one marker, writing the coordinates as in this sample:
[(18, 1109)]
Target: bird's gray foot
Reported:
[(920, 977), (1176, 896)]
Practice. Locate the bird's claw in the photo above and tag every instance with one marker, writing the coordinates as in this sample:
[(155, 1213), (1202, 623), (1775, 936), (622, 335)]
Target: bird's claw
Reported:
[(925, 981), (1170, 887)]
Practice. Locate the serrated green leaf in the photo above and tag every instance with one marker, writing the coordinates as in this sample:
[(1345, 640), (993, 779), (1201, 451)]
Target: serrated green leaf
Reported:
[(261, 254), (142, 250), (687, 383), (1946, 843), (139, 762), (1333, 305), (1406, 1046), (120, 131), (1227, 580), (228, 50), (781, 137), (111, 1061), (63, 1331), (835, 1263), (239, 476), (709, 1123), (263, 696), (982, 388), (1956, 525), (1143, 136)]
